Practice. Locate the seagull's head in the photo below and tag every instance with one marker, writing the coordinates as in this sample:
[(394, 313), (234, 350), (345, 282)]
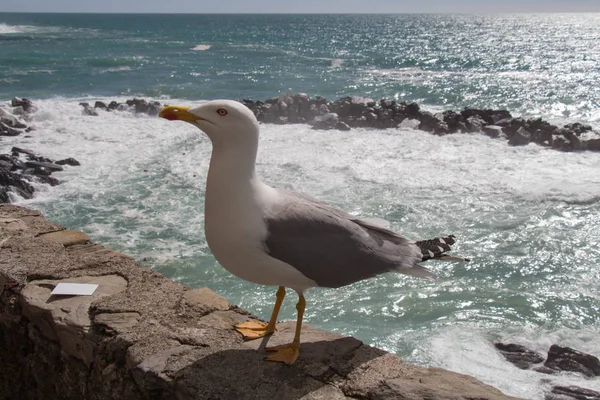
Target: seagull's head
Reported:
[(224, 121)]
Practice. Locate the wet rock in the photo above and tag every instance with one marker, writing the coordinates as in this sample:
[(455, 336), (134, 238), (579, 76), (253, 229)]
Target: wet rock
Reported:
[(572, 392), (113, 105), (493, 131), (11, 181), (520, 138), (20, 150), (519, 355), (578, 128), (68, 161), (25, 104), (47, 165), (560, 142), (409, 123), (101, 105), (568, 359), (88, 110), (412, 110), (6, 130), (5, 165), (10, 120), (475, 123), (327, 121)]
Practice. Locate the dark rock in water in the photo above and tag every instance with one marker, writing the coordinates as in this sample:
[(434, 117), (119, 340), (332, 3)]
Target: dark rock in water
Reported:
[(568, 359), (520, 138), (519, 355), (5, 165), (113, 105), (88, 110), (68, 161), (20, 150), (15, 182), (6, 130), (560, 142), (578, 128), (513, 126), (50, 180), (572, 392), (26, 104), (412, 111), (101, 105), (327, 121), (493, 131), (46, 165), (475, 123), (12, 121), (142, 106)]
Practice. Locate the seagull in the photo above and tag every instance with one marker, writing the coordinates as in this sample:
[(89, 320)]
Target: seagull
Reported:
[(282, 238)]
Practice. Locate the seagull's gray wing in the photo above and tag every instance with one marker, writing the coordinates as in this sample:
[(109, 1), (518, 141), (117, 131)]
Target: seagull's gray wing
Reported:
[(332, 247)]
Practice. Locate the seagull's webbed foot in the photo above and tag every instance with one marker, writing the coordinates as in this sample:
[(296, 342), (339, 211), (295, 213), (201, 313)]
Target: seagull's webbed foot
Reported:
[(287, 353), (251, 330)]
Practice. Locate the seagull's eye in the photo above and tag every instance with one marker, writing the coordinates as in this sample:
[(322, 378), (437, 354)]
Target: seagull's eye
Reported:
[(222, 112)]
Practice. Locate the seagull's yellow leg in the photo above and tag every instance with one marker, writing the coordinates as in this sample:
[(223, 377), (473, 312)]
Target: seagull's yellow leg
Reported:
[(288, 353), (257, 329)]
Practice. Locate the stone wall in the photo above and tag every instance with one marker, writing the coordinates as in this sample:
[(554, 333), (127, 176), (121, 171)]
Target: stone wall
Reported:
[(142, 336)]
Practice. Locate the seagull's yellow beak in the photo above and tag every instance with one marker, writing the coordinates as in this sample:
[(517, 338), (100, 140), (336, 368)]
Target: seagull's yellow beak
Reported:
[(173, 113)]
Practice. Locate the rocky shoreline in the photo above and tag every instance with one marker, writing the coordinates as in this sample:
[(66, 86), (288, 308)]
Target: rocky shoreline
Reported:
[(22, 167), (558, 360), (358, 112)]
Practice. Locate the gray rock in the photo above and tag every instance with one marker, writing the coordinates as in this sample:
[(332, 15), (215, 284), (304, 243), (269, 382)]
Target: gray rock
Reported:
[(68, 161), (559, 142), (520, 138), (568, 359), (572, 392), (101, 105), (326, 121), (25, 104), (493, 131), (475, 124), (409, 124), (6, 130), (47, 165), (519, 355), (20, 150), (88, 110)]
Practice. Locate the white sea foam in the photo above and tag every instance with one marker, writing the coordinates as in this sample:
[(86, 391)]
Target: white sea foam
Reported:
[(336, 62), (116, 69), (202, 47), (5, 28), (470, 350)]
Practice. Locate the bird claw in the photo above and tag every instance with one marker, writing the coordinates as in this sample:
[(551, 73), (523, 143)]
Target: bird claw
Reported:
[(287, 353), (251, 330)]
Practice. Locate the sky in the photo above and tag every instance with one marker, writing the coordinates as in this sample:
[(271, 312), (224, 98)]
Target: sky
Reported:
[(300, 6)]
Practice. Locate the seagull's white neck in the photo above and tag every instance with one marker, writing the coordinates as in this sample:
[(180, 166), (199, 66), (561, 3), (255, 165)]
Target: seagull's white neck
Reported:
[(232, 167)]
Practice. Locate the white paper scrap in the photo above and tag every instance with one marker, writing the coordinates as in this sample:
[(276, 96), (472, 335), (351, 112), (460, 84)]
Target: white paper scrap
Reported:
[(74, 289)]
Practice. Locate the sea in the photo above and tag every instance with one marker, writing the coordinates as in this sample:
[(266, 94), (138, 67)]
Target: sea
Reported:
[(528, 217)]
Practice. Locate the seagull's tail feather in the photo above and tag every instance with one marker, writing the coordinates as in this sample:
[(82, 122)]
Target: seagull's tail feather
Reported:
[(435, 249)]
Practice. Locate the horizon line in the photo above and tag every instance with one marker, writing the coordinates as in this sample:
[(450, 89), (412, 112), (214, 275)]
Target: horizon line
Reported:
[(301, 13)]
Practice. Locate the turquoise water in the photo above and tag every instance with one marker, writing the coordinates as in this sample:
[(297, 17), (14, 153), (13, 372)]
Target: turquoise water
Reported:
[(529, 217), (547, 64)]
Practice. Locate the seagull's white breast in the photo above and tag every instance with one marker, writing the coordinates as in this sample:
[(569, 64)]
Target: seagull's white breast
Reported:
[(235, 230)]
